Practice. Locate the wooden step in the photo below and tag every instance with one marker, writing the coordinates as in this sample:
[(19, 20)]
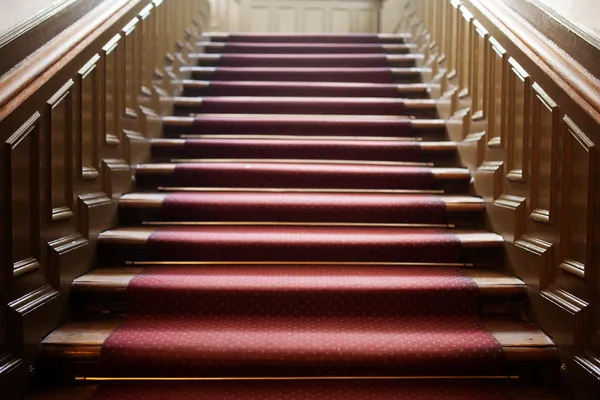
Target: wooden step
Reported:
[(442, 154), (193, 87), (190, 127), (303, 174), (420, 108), (148, 208), (306, 48), (131, 245), (74, 348), (306, 60), (83, 389), (399, 37), (271, 146), (103, 291), (348, 75)]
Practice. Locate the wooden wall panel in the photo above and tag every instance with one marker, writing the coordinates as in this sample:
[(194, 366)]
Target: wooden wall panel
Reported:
[(578, 167), (23, 192), (496, 96), (539, 116), (305, 16), (87, 118), (60, 152), (543, 161), (70, 134), (517, 121)]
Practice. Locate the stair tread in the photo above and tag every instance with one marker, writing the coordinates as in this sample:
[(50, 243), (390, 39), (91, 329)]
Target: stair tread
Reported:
[(303, 105), (114, 280), (140, 235), (346, 89), (455, 203), (198, 101), (82, 340), (376, 47), (304, 125), (393, 71), (416, 86), (300, 37), (342, 165)]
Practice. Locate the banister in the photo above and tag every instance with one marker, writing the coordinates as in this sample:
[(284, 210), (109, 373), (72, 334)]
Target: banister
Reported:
[(533, 149), (74, 118), (17, 79), (558, 62)]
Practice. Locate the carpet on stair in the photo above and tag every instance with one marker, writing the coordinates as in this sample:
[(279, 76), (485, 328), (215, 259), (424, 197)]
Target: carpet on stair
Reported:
[(290, 175), (274, 148), (303, 207), (300, 48), (295, 105), (304, 390), (297, 74), (308, 38), (286, 88), (292, 243), (297, 125), (306, 60), (275, 321)]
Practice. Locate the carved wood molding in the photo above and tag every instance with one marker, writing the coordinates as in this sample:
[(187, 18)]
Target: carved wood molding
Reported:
[(74, 118), (538, 113)]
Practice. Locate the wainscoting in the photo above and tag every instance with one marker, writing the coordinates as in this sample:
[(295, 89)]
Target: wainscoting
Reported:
[(527, 120)]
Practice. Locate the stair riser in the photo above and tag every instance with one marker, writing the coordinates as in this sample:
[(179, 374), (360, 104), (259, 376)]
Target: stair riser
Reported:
[(276, 150), (59, 370), (88, 305), (300, 129), (429, 112), (243, 48), (308, 76), (308, 90), (117, 254), (132, 216), (304, 62), (308, 38), (243, 179)]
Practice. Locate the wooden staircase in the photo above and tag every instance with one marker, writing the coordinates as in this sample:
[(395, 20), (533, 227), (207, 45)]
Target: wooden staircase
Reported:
[(273, 155)]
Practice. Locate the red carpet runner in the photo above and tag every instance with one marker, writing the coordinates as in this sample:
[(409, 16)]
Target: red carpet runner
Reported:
[(190, 321), (335, 149), (284, 299), (308, 89)]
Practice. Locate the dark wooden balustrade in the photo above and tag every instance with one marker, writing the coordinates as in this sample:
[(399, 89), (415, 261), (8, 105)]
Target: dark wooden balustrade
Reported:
[(527, 121), (74, 116)]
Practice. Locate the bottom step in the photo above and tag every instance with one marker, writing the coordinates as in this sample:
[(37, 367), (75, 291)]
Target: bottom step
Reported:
[(342, 389), (280, 347), (299, 389)]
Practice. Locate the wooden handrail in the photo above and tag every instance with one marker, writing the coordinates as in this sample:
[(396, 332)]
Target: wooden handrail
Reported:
[(15, 81), (558, 62)]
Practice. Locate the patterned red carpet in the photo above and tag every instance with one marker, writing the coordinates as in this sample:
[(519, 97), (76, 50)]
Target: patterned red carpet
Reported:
[(301, 207), (307, 89), (295, 210), (274, 148)]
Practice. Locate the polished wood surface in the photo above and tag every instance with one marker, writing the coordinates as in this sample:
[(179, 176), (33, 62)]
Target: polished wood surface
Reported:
[(74, 116), (77, 342), (103, 292), (526, 120)]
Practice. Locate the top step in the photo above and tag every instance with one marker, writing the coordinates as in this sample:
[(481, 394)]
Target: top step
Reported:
[(307, 38), (306, 48)]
